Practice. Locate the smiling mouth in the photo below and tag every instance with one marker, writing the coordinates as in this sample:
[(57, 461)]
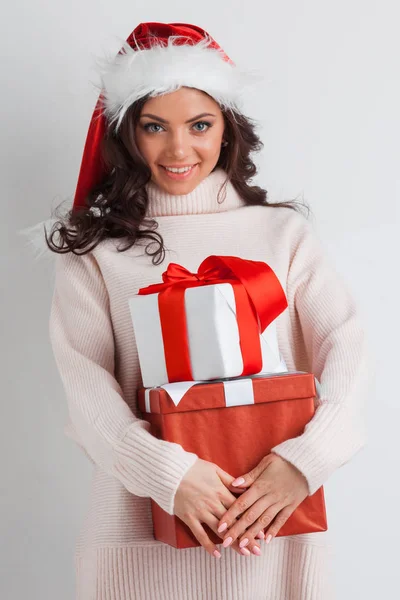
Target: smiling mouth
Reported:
[(186, 167), (180, 175)]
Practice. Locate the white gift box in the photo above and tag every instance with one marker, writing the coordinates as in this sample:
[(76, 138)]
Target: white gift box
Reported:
[(213, 336)]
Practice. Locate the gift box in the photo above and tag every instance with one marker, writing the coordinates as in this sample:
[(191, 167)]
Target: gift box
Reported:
[(234, 423), (216, 323)]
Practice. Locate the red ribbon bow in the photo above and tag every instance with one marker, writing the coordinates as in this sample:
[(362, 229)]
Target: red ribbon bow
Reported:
[(259, 299)]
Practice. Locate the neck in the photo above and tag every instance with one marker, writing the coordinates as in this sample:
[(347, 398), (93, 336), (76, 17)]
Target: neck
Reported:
[(205, 198)]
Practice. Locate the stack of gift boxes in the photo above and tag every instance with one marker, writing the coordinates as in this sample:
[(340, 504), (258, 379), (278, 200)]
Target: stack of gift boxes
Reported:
[(214, 380)]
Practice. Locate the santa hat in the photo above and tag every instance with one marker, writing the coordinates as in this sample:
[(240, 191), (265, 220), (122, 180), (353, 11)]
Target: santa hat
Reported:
[(156, 58)]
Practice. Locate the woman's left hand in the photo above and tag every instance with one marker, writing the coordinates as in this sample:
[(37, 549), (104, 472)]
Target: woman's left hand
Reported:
[(277, 489)]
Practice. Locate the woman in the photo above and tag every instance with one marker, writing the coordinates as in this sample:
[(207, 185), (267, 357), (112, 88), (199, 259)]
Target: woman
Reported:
[(165, 177)]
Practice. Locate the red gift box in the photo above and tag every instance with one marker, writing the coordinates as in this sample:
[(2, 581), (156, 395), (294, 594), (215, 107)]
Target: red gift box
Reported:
[(234, 423)]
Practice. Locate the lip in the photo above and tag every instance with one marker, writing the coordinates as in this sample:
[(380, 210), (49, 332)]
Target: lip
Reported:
[(180, 176)]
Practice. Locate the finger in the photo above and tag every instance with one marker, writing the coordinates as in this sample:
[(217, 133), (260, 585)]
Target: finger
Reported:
[(249, 478), (268, 516), (225, 503), (241, 505), (247, 527), (224, 476), (212, 521), (203, 539), (226, 499), (239, 488), (254, 547), (227, 481), (278, 522)]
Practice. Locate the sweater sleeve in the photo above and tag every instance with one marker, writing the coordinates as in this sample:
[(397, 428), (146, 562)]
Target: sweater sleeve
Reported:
[(82, 340), (338, 354)]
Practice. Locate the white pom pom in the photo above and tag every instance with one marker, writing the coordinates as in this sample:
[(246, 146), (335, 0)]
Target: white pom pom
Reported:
[(34, 234), (36, 238)]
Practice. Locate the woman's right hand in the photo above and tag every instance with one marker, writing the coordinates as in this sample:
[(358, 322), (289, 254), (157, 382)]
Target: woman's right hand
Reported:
[(202, 497)]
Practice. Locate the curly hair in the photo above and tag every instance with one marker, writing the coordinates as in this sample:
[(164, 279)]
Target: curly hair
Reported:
[(116, 208)]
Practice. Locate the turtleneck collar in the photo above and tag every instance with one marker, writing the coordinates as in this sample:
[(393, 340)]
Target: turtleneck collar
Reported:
[(203, 199)]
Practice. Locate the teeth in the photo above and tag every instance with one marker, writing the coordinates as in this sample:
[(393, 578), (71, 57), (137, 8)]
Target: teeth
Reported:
[(183, 170)]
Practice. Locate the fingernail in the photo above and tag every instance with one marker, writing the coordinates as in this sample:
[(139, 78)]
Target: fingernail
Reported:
[(217, 554), (222, 527), (269, 538), (238, 481), (260, 535), (226, 542), (243, 543), (245, 551), (256, 550)]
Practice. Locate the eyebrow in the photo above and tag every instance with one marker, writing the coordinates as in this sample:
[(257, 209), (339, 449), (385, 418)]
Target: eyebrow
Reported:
[(188, 121)]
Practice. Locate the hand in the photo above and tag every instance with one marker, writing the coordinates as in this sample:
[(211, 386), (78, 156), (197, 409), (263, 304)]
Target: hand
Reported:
[(277, 489), (203, 497)]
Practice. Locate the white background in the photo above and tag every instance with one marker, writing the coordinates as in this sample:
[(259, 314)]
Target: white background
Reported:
[(328, 115)]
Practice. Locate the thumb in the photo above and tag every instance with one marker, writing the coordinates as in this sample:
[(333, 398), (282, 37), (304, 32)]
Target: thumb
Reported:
[(228, 480), (224, 477), (250, 477)]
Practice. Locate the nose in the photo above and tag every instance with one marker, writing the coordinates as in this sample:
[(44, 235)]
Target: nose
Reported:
[(177, 145)]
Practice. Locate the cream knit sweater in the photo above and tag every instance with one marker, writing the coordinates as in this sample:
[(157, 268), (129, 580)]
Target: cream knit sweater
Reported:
[(117, 557)]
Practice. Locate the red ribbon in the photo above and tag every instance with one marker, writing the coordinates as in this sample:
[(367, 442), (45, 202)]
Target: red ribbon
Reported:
[(259, 299)]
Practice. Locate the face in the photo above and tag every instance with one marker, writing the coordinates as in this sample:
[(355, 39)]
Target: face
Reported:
[(178, 130)]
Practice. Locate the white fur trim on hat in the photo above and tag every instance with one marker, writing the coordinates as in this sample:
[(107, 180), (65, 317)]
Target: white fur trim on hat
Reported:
[(165, 68)]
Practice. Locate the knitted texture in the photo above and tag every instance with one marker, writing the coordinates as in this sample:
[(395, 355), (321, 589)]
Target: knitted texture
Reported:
[(117, 557)]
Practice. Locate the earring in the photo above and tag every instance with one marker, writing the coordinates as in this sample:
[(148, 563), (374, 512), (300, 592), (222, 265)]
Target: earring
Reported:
[(224, 143)]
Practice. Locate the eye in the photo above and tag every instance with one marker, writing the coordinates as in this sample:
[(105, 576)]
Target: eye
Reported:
[(148, 125), (208, 125)]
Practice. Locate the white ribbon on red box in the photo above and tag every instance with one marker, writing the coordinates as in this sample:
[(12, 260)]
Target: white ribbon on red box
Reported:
[(238, 391)]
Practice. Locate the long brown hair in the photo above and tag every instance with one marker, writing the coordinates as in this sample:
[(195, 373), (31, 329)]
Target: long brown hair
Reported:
[(116, 208)]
